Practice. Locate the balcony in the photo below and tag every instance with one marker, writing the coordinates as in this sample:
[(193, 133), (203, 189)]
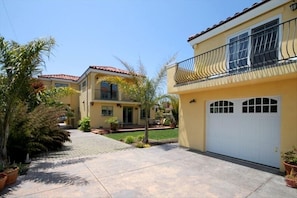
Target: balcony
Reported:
[(112, 96), (268, 46)]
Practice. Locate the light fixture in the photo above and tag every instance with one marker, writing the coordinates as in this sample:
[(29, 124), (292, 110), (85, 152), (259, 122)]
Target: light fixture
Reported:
[(192, 101), (293, 6), (119, 105), (92, 103)]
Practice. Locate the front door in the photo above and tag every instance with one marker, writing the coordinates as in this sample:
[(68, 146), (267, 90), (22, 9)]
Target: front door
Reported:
[(128, 115)]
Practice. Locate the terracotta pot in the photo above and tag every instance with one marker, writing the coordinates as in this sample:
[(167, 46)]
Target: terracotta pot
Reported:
[(291, 182), (3, 179), (288, 168), (12, 175)]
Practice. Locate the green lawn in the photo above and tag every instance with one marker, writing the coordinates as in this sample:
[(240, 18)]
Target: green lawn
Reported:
[(153, 134)]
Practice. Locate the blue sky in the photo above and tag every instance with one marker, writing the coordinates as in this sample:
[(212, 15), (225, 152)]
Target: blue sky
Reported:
[(94, 32)]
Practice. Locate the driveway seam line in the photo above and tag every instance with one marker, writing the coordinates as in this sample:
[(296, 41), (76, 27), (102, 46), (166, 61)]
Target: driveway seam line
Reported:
[(260, 186), (98, 180)]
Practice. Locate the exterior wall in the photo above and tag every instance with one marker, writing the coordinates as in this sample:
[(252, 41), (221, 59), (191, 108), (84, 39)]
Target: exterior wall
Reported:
[(71, 100), (192, 127), (221, 39), (83, 98)]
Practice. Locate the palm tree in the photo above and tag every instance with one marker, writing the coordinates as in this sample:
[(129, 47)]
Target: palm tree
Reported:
[(18, 64), (141, 88), (174, 101)]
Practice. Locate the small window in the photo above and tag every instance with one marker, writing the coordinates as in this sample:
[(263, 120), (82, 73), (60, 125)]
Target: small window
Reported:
[(142, 114), (83, 86), (61, 85), (221, 106), (107, 111), (259, 105)]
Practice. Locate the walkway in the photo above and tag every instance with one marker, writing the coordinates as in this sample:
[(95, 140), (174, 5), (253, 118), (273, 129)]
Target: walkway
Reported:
[(95, 166)]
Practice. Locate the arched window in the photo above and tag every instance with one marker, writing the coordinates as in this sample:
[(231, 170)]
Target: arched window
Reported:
[(222, 106), (259, 105)]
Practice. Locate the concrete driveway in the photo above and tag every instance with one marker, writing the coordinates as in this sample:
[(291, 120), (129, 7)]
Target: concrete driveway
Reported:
[(95, 166)]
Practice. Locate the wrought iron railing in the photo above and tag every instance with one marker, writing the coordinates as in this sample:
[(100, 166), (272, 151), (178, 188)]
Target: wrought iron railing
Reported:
[(99, 95), (265, 46)]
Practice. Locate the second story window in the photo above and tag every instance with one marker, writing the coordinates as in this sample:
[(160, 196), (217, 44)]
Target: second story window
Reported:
[(61, 85), (108, 91), (256, 47), (238, 52)]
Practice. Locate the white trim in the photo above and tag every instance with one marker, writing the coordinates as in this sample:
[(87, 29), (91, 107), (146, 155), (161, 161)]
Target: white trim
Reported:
[(239, 20), (249, 31), (98, 71), (57, 80)]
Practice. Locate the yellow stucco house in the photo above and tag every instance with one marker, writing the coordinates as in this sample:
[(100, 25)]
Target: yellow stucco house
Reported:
[(97, 99), (238, 94)]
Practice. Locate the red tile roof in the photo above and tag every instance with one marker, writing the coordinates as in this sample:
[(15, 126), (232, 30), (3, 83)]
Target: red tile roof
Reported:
[(110, 69), (60, 76), (228, 19)]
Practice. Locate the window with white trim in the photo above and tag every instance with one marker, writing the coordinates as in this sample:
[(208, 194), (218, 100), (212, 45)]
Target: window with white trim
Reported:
[(109, 91), (222, 106), (238, 52), (254, 48), (106, 110), (259, 105)]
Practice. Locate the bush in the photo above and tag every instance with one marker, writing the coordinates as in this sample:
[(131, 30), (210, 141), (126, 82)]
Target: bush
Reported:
[(84, 124), (166, 122), (129, 140), (142, 145), (140, 138)]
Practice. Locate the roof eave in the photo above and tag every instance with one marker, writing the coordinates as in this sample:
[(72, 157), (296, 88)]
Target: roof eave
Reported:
[(237, 20)]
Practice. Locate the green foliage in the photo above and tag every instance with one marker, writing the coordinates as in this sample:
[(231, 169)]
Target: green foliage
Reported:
[(84, 124), (154, 134), (140, 137), (166, 122), (142, 145), (112, 120), (18, 64), (140, 88), (290, 156), (114, 123), (129, 140), (36, 131)]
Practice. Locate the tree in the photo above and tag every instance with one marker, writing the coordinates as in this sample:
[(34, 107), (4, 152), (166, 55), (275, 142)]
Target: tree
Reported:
[(18, 64), (141, 88), (174, 102)]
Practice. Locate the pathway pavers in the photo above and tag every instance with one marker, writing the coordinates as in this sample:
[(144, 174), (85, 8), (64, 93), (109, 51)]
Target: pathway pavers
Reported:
[(159, 171)]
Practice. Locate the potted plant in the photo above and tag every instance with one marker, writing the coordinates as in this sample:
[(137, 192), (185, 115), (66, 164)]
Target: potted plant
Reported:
[(291, 179), (12, 172), (290, 160), (3, 178), (114, 123)]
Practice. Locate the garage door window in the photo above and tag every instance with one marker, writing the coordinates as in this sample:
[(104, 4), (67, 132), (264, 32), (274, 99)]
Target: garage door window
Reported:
[(221, 107), (259, 105)]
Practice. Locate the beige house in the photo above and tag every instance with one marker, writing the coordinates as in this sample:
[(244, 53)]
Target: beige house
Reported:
[(62, 80), (238, 94), (97, 99)]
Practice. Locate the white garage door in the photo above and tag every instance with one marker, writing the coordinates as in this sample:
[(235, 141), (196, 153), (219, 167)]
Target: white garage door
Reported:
[(247, 129)]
